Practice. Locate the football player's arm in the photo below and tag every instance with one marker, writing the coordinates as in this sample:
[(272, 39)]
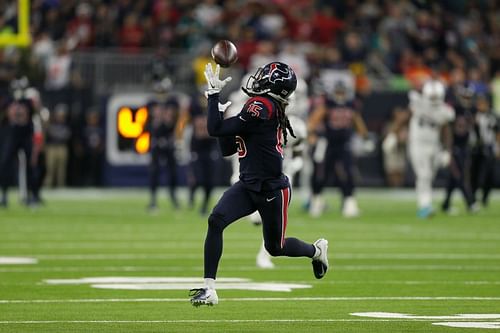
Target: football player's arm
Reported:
[(315, 119), (182, 122), (447, 136), (227, 145), (360, 125), (217, 125)]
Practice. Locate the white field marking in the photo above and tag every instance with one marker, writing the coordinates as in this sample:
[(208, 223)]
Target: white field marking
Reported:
[(403, 282), (176, 283), (133, 279), (481, 324), (395, 315), (433, 244), (350, 256), (196, 321), (169, 268), (257, 286), (255, 299), (17, 261), (134, 256)]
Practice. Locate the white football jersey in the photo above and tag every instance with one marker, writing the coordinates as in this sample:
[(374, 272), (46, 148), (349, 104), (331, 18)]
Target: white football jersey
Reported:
[(427, 119)]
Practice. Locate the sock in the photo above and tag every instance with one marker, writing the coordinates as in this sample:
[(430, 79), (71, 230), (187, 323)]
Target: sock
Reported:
[(317, 252), (210, 283)]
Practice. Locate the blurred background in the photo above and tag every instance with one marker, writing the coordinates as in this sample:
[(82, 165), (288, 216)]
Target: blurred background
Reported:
[(94, 69)]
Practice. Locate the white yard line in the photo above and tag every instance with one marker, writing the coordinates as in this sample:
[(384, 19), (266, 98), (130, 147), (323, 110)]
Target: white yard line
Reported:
[(169, 268), (256, 299), (194, 321), (438, 244), (350, 256)]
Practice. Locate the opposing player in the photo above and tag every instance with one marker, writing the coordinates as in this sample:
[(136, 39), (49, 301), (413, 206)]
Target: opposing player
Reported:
[(258, 135), (429, 140)]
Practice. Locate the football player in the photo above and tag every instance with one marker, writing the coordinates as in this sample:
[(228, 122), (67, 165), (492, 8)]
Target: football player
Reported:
[(257, 134), (331, 125), (203, 154), (487, 147), (461, 127), (293, 153), (162, 122), (17, 137), (429, 127)]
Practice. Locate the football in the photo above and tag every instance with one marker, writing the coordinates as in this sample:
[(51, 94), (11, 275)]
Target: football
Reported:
[(224, 53)]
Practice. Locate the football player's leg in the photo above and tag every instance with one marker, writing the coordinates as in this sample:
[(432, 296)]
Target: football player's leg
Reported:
[(489, 177), (273, 208), (318, 180), (172, 171), (346, 181), (6, 159), (422, 166), (192, 180), (153, 176), (474, 173), (206, 182), (463, 181), (234, 204)]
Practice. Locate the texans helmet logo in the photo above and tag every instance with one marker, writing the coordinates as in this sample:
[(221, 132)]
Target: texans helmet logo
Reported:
[(282, 75)]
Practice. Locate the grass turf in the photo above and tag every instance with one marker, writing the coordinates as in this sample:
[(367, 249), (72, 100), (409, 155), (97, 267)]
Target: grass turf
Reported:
[(382, 261)]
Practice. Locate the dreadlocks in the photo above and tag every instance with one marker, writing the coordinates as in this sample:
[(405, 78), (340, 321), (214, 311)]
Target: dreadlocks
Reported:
[(283, 122)]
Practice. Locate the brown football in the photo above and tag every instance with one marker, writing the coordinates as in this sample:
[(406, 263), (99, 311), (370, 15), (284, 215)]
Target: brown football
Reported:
[(224, 53)]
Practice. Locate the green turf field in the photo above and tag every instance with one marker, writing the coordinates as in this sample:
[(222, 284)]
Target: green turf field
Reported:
[(387, 262)]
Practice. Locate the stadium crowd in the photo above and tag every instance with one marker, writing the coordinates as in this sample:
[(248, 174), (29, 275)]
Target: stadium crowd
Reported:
[(403, 42)]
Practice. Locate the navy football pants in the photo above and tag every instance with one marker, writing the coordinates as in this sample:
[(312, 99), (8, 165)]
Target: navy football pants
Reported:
[(458, 178), (238, 202), (338, 162)]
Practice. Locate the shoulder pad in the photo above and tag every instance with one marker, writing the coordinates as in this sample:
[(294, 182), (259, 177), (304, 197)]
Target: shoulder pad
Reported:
[(259, 107)]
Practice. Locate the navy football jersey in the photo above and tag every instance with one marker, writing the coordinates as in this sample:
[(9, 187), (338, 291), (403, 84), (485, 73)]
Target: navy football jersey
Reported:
[(257, 138), (339, 121), (462, 126)]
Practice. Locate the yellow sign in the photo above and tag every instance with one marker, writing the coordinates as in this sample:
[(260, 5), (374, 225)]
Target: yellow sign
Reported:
[(23, 37), (131, 127)]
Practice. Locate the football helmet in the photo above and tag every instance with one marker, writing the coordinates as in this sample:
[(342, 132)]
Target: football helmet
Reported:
[(340, 93), (434, 92), (465, 95), (275, 79)]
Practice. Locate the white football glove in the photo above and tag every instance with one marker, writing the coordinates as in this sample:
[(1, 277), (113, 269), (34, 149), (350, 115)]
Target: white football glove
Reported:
[(215, 84), (444, 158)]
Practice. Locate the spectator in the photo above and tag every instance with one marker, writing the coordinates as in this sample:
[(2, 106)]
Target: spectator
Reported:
[(93, 149), (104, 35), (58, 135), (58, 75), (326, 26), (81, 27), (131, 33)]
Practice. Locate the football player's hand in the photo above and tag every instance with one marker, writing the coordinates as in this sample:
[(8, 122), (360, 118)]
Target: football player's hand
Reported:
[(445, 158), (215, 84)]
